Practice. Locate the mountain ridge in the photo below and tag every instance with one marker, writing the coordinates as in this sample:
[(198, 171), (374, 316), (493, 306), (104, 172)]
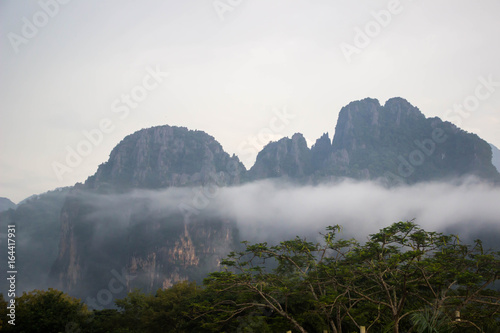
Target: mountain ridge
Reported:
[(6, 204), (394, 142), (164, 156)]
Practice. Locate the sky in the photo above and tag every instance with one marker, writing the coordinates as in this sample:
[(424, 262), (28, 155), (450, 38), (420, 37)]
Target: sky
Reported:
[(77, 76)]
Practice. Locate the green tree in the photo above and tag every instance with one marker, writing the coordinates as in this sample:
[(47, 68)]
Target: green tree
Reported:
[(136, 310), (404, 269), (171, 307), (105, 321), (402, 278), (166, 311), (459, 278), (47, 311), (294, 290)]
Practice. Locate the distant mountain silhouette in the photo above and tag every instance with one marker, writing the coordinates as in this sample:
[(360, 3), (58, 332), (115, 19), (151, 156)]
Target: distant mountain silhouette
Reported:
[(6, 204)]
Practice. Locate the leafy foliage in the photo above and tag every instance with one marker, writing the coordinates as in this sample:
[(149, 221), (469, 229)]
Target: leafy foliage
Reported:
[(402, 279), (46, 311), (399, 277)]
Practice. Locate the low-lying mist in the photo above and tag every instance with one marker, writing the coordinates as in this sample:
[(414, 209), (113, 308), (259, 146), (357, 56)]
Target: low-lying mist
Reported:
[(141, 221), (275, 210)]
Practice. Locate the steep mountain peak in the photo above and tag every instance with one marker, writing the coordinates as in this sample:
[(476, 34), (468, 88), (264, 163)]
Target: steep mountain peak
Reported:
[(369, 114), (321, 152), (288, 157), (398, 101), (364, 101), (372, 140), (323, 142), (299, 137), (398, 111), (354, 118), (166, 156)]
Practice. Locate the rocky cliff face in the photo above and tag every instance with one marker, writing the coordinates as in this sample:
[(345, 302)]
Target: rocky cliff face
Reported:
[(151, 246), (394, 141), (286, 157), (175, 249), (368, 134), (167, 156), (106, 226)]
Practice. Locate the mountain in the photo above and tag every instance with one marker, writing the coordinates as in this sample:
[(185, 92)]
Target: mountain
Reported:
[(118, 227), (374, 141), (6, 204), (495, 157), (394, 141), (38, 227), (166, 156), (150, 248), (157, 247), (289, 157)]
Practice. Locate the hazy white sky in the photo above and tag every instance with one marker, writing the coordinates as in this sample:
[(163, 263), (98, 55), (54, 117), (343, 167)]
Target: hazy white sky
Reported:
[(68, 66)]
